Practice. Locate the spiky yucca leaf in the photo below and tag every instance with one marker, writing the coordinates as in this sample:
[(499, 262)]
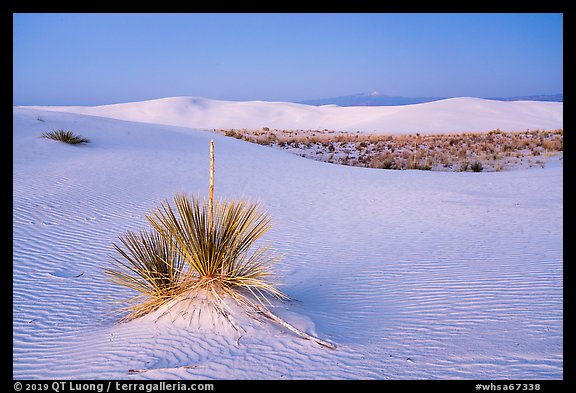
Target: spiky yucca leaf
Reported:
[(65, 136), (150, 265), (221, 253)]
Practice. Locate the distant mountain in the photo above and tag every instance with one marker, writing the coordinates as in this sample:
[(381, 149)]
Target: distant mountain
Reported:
[(377, 99), (370, 99), (541, 97)]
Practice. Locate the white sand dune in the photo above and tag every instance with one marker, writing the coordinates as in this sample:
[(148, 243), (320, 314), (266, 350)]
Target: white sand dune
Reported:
[(445, 116), (413, 274)]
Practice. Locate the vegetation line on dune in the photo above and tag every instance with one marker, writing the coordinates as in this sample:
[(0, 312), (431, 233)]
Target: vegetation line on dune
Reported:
[(460, 152)]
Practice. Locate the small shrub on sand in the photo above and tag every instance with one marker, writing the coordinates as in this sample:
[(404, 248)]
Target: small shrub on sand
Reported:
[(65, 136), (476, 166)]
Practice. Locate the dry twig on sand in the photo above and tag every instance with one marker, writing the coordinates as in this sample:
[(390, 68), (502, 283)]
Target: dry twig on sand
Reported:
[(293, 329)]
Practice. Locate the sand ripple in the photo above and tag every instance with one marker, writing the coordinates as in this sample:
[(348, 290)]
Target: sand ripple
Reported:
[(412, 274)]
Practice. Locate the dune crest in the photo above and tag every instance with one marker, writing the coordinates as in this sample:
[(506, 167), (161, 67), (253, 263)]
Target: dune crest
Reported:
[(464, 114)]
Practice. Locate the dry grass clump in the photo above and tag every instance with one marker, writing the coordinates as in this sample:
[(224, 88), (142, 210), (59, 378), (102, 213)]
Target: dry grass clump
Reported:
[(65, 136), (493, 151)]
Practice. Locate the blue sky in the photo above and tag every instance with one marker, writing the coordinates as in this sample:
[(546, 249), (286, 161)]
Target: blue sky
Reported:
[(92, 59)]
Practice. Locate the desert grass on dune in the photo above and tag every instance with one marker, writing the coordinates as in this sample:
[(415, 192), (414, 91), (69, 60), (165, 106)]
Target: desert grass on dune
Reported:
[(494, 151)]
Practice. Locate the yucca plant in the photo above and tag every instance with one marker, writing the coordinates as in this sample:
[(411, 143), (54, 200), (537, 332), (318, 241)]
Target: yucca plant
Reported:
[(201, 246), (197, 246), (65, 136)]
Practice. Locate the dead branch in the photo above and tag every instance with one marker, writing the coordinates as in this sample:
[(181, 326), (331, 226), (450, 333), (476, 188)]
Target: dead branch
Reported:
[(293, 329)]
